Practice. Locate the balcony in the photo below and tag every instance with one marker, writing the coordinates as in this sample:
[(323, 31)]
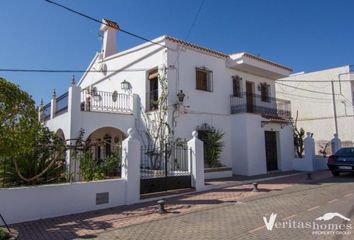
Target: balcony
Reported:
[(264, 105), (101, 101), (87, 101)]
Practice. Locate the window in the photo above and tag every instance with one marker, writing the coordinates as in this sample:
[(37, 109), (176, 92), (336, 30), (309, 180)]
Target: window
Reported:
[(153, 90), (265, 92), (204, 79), (236, 86)]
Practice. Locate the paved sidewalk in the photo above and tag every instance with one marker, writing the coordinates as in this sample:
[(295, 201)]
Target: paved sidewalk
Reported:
[(90, 224), (296, 206)]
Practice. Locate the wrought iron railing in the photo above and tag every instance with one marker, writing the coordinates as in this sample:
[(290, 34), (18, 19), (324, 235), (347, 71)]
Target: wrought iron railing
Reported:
[(163, 162), (265, 105), (46, 112), (100, 101), (62, 104)]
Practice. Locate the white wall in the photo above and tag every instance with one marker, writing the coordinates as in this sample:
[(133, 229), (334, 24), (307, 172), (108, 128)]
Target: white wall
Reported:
[(32, 203), (248, 145), (315, 110), (135, 64)]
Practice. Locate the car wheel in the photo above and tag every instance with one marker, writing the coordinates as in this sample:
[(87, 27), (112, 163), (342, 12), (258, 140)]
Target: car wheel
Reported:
[(334, 173)]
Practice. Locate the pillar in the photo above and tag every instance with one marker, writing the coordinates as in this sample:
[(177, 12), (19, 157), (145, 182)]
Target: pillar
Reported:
[(131, 167), (196, 161)]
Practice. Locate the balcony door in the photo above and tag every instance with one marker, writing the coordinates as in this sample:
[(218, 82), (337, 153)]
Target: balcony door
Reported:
[(249, 97)]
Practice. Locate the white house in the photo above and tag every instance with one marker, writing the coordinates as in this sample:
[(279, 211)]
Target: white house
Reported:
[(234, 93), (321, 108)]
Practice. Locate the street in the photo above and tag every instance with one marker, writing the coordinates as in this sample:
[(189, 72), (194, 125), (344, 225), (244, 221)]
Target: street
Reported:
[(244, 219)]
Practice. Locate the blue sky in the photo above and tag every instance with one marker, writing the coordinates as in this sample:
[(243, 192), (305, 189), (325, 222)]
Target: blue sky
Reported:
[(303, 34)]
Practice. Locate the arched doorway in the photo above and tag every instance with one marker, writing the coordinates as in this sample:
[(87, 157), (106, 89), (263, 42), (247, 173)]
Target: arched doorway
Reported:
[(105, 141), (103, 153)]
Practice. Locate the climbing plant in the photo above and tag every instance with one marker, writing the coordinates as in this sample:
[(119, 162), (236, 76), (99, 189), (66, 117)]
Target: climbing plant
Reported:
[(156, 134)]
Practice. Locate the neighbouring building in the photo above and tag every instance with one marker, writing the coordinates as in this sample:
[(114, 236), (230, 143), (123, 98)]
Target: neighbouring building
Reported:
[(312, 103), (233, 93)]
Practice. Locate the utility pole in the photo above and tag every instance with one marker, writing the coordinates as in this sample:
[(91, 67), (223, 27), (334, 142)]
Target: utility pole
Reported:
[(334, 108)]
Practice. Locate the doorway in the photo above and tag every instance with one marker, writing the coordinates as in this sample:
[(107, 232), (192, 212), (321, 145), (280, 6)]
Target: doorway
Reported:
[(271, 150)]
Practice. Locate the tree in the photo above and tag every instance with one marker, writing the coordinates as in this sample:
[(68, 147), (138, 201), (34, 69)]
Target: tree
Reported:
[(299, 136), (17, 116), (29, 152)]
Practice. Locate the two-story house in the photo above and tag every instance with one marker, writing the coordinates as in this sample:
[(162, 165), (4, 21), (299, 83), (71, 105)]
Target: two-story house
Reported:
[(206, 88)]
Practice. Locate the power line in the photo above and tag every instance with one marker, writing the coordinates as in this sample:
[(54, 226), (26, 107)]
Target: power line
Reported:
[(66, 70), (195, 19), (324, 118), (312, 81), (301, 96), (101, 22), (304, 89)]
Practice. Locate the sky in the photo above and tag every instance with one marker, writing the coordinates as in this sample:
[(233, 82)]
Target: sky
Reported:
[(305, 35)]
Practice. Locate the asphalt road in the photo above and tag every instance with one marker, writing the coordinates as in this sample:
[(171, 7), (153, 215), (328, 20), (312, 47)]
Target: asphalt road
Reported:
[(296, 210)]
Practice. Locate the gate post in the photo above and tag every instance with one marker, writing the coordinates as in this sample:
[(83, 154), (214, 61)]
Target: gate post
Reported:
[(309, 148), (336, 143), (196, 161), (131, 167)]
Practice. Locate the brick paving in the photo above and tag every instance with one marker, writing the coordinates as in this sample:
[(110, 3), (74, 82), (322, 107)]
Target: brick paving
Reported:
[(303, 203), (91, 224)]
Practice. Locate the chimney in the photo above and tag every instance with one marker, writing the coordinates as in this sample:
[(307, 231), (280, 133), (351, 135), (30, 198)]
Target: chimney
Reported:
[(109, 29)]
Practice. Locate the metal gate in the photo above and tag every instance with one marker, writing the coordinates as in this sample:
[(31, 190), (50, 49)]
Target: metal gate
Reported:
[(164, 168)]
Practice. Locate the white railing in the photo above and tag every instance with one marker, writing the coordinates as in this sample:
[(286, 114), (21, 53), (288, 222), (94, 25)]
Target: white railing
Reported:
[(100, 101)]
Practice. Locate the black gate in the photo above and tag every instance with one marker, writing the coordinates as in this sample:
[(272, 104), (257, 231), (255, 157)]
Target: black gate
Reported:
[(164, 168)]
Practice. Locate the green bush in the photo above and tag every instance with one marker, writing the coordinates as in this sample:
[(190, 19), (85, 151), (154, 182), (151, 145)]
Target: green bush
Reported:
[(213, 146), (4, 234), (92, 169)]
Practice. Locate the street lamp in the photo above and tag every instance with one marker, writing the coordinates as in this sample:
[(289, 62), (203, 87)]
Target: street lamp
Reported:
[(180, 96), (125, 85)]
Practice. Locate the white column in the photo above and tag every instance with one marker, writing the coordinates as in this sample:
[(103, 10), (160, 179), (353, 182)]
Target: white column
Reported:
[(131, 167), (309, 149), (74, 111), (336, 143), (136, 106), (196, 161), (40, 111), (53, 103)]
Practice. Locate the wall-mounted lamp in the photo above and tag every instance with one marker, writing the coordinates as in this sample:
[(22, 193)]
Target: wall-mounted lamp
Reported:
[(180, 96), (125, 85)]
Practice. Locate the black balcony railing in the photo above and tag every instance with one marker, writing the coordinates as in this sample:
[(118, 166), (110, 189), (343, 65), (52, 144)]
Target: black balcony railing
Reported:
[(268, 106), (62, 104)]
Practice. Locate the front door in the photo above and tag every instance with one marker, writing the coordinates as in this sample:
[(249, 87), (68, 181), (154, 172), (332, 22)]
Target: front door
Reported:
[(249, 96), (271, 150)]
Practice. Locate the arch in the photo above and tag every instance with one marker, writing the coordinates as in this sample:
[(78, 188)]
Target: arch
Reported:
[(60, 134), (104, 141)]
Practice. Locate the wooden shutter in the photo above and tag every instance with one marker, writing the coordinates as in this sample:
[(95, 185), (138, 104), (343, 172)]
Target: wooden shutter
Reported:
[(201, 80)]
